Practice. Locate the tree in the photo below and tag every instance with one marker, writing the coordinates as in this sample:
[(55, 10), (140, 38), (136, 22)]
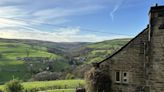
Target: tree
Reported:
[(13, 86)]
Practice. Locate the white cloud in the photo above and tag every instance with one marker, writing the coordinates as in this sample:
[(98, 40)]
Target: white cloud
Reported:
[(10, 27), (60, 35), (11, 11), (57, 15), (63, 13), (6, 22), (42, 14)]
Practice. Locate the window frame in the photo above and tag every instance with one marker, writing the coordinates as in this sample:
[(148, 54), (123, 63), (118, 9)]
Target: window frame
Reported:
[(125, 77), (116, 76), (121, 75)]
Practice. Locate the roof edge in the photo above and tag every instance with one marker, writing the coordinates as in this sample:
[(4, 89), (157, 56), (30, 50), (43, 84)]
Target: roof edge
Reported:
[(123, 46)]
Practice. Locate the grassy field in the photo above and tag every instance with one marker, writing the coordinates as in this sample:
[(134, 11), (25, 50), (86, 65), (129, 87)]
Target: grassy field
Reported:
[(11, 67), (60, 90), (52, 86), (99, 51)]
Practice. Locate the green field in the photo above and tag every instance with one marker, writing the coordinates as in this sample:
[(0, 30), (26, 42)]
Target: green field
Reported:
[(60, 90), (52, 86), (11, 67), (96, 52)]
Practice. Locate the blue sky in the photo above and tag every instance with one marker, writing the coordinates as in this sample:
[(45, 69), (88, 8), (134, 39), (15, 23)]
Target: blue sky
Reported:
[(73, 20)]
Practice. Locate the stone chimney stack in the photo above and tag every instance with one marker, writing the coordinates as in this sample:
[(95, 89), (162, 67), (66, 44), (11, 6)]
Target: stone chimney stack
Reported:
[(156, 49)]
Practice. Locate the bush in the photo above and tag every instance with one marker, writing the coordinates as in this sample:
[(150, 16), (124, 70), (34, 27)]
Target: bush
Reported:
[(98, 81), (13, 86), (70, 76), (46, 75)]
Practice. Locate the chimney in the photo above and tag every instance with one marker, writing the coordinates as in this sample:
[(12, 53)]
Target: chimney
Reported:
[(156, 5)]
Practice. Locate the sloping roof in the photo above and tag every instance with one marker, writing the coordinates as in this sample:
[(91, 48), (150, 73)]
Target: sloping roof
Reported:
[(123, 46)]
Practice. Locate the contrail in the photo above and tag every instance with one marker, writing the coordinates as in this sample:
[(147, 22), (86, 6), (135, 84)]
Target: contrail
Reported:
[(117, 6), (113, 11)]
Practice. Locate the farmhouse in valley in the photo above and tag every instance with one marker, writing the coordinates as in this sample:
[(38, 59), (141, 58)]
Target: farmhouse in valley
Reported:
[(139, 65)]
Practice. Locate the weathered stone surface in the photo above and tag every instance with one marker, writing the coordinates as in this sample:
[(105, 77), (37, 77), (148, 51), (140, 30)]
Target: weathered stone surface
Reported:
[(141, 61)]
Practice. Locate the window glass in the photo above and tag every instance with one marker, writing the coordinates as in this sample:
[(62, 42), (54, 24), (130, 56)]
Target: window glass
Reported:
[(117, 76), (125, 74), (125, 77)]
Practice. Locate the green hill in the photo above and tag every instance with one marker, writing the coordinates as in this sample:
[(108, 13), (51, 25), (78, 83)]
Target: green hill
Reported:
[(95, 52), (24, 58), (21, 60)]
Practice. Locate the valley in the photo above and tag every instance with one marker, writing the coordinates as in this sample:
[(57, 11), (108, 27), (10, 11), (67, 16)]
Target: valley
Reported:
[(32, 60)]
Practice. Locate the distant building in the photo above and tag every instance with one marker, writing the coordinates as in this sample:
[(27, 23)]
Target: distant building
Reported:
[(139, 65)]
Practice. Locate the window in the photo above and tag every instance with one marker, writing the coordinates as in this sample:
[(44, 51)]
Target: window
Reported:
[(121, 77), (125, 77), (117, 76)]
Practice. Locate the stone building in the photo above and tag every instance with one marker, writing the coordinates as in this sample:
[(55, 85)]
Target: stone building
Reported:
[(139, 65)]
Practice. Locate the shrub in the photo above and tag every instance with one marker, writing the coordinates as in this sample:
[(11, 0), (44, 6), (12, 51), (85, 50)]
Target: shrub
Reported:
[(46, 75), (13, 86), (70, 76), (98, 81)]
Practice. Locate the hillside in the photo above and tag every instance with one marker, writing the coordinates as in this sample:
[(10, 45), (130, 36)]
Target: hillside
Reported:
[(24, 58), (21, 60), (54, 47), (95, 52)]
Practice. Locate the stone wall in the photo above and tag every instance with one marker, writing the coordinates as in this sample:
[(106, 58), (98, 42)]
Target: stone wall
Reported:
[(156, 59), (129, 59)]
